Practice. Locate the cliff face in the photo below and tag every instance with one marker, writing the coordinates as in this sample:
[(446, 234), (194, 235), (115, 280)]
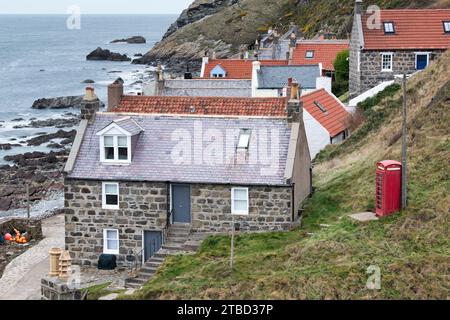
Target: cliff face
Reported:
[(223, 25), (197, 11)]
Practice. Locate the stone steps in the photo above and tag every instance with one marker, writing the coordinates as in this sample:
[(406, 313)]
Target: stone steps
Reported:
[(177, 242)]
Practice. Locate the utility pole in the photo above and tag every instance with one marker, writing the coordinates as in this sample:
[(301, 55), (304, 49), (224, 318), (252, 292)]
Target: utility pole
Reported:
[(404, 149), (232, 244)]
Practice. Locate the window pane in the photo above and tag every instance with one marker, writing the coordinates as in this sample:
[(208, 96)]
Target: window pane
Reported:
[(111, 188), (123, 153), (240, 194), (244, 140), (111, 234), (122, 141), (109, 141), (112, 244), (112, 200), (240, 205), (109, 153)]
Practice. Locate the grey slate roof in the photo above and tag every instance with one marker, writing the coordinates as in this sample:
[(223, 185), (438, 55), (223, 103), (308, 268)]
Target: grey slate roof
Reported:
[(129, 125), (152, 157), (208, 88), (276, 77)]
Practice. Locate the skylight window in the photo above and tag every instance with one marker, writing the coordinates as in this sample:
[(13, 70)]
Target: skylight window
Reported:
[(244, 139), (310, 54), (389, 28), (321, 107), (447, 26)]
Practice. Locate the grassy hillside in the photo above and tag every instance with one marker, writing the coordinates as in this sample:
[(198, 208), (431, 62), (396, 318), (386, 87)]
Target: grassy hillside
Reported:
[(328, 256)]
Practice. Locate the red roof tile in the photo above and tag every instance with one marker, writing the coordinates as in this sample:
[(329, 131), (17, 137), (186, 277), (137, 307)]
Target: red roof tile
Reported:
[(334, 119), (325, 52), (414, 29), (265, 107), (239, 69)]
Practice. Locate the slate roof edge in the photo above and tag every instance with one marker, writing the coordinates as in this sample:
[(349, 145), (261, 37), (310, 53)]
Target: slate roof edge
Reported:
[(76, 146), (183, 182)]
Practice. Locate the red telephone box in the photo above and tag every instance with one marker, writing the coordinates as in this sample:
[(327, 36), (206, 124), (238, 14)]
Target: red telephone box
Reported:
[(389, 187)]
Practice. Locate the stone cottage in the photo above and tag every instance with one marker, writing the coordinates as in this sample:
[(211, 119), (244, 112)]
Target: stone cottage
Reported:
[(132, 176), (392, 42)]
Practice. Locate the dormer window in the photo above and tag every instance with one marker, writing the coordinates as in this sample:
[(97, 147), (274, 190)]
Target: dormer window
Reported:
[(218, 72), (244, 139), (116, 141), (310, 54), (116, 148), (389, 28), (447, 26)]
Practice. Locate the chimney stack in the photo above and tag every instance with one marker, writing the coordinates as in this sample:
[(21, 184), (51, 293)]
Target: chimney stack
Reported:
[(115, 93), (160, 81), (90, 105), (294, 105), (359, 7)]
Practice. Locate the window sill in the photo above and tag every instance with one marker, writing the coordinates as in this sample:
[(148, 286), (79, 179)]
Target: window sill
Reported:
[(116, 163), (106, 207), (111, 252)]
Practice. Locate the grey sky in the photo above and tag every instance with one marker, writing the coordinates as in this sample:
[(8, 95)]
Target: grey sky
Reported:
[(94, 6)]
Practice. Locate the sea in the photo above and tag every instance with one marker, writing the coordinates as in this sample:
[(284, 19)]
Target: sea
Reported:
[(41, 57)]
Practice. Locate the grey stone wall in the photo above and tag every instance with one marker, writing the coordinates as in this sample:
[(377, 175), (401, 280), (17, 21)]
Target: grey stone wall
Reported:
[(371, 74), (269, 209), (143, 206)]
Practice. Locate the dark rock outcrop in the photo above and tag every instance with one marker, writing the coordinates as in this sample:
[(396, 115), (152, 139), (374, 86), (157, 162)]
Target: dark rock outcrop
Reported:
[(60, 103), (41, 171), (60, 134), (56, 123), (106, 55), (132, 40)]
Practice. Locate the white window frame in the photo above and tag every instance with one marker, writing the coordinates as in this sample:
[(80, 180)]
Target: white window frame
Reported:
[(116, 159), (106, 250), (385, 54), (310, 51), (244, 134), (422, 54), (445, 25), (109, 206), (239, 212), (389, 23)]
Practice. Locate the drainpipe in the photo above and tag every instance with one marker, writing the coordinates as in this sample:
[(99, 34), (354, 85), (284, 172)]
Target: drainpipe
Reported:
[(293, 202), (168, 205)]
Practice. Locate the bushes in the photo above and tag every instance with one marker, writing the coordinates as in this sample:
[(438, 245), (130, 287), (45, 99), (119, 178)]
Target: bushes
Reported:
[(341, 67)]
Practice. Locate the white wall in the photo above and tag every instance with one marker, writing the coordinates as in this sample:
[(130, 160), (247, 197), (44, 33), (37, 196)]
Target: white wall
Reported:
[(324, 83), (318, 137)]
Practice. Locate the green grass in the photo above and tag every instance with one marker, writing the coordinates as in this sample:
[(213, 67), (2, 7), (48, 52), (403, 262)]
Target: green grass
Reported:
[(100, 290), (411, 248)]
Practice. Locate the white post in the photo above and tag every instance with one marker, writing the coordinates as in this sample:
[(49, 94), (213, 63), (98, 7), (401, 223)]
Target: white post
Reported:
[(232, 244)]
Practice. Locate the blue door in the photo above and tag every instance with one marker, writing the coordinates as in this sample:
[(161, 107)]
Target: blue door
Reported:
[(422, 61), (152, 243), (181, 203)]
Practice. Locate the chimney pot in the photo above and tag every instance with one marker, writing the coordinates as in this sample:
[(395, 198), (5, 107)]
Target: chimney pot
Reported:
[(359, 7)]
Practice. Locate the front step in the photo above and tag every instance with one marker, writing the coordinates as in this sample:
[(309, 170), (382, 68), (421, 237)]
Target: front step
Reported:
[(176, 242)]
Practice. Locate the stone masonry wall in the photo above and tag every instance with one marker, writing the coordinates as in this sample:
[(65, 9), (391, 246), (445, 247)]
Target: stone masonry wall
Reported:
[(371, 74), (143, 206), (269, 209)]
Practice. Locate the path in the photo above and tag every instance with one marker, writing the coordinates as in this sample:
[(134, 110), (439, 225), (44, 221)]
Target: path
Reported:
[(21, 279)]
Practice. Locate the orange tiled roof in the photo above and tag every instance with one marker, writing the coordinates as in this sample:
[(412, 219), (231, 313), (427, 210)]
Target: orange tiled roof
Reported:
[(325, 52), (414, 29), (334, 119), (239, 69), (265, 107)]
